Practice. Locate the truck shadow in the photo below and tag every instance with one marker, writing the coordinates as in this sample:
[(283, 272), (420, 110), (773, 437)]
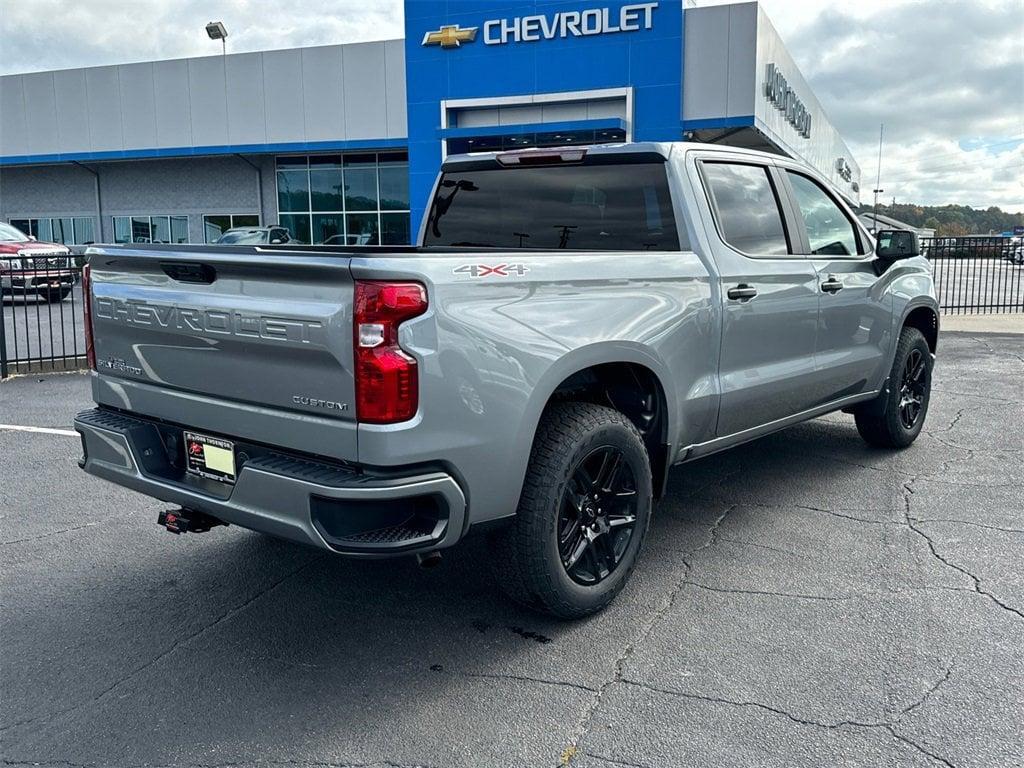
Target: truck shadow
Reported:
[(255, 642)]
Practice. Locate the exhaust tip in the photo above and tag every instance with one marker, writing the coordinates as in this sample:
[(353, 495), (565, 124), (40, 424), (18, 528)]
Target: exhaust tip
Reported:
[(428, 560)]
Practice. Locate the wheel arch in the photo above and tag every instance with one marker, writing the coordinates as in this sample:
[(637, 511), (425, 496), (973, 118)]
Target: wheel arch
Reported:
[(624, 376), (925, 318)]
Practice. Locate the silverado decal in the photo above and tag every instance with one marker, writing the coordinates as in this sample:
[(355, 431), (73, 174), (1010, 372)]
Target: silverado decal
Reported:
[(484, 270)]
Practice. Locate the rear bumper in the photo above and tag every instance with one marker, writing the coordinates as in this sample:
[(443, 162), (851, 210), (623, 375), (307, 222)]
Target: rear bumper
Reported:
[(340, 509)]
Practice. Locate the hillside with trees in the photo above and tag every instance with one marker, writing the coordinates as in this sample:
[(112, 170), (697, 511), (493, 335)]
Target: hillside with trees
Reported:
[(953, 220)]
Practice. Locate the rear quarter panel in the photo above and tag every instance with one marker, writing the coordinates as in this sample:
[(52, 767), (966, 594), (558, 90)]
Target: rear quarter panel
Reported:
[(493, 349)]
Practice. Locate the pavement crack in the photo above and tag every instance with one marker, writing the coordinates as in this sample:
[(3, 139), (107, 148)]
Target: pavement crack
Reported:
[(230, 613), (1001, 352), (765, 547), (308, 764), (956, 420), (753, 705), (849, 462), (971, 523), (669, 601), (617, 761), (807, 508), (914, 525), (767, 593), (913, 744), (846, 516), (947, 673), (52, 533), (311, 763), (888, 727), (522, 679)]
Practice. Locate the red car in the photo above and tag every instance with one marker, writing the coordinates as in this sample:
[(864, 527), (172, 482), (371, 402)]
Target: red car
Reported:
[(32, 268)]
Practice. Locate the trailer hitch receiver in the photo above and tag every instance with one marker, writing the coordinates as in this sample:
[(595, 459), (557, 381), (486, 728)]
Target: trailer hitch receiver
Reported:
[(187, 521)]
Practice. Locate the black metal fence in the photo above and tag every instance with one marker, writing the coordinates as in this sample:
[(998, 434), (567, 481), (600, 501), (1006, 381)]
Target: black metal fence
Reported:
[(977, 275), (42, 328)]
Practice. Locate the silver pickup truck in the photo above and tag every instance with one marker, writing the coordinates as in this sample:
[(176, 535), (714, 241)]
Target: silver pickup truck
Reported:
[(573, 323)]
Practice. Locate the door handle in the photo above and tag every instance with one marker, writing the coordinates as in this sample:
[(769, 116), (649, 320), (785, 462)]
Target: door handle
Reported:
[(742, 292), (832, 285)]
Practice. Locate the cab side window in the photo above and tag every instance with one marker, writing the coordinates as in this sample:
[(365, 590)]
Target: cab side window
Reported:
[(747, 208), (829, 230)]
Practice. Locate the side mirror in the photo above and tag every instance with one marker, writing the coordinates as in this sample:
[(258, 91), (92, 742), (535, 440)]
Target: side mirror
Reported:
[(276, 241), (896, 244)]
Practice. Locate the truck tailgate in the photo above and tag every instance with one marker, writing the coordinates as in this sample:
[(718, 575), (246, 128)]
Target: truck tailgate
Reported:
[(241, 340)]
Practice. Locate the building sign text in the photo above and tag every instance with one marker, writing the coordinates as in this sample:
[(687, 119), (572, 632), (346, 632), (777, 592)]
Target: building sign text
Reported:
[(783, 98)]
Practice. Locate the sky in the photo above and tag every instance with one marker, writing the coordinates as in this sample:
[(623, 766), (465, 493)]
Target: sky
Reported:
[(946, 77)]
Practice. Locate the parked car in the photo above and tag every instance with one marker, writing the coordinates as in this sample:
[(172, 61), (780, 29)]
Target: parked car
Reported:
[(255, 236), (675, 300), (29, 267), (1015, 250), (363, 238)]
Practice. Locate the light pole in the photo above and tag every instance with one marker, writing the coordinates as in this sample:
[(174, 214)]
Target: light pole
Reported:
[(878, 176), (217, 31)]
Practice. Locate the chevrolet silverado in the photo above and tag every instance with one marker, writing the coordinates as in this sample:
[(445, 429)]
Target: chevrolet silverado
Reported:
[(571, 325)]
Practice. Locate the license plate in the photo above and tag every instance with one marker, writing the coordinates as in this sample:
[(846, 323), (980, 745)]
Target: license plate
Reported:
[(210, 457)]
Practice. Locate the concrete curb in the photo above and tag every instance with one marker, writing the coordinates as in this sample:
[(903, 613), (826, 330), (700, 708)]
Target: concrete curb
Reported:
[(983, 323)]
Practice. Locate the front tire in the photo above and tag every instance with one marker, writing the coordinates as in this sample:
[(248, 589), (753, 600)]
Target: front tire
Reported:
[(895, 418), (55, 295), (582, 516)]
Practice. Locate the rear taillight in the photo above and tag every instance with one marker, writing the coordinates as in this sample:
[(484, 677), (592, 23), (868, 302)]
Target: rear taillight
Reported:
[(387, 382), (90, 349)]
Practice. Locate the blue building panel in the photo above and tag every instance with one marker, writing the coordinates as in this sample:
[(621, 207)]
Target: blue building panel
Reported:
[(532, 47)]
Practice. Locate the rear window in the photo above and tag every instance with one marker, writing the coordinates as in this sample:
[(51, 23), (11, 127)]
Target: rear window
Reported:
[(746, 208), (608, 207)]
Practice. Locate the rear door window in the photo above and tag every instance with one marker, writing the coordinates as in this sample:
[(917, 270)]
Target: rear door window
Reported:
[(599, 207), (746, 208), (829, 229)]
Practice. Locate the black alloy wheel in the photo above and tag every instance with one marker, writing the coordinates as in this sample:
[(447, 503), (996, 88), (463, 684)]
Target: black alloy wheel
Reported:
[(913, 387), (896, 416), (583, 512), (597, 516)]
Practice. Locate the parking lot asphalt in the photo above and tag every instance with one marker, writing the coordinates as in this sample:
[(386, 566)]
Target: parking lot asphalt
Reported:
[(802, 601)]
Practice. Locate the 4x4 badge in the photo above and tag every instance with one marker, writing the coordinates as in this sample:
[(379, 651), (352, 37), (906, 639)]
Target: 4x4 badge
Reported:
[(485, 270)]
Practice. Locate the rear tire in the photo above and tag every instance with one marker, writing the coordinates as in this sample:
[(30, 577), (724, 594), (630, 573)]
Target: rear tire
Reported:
[(582, 516), (895, 418)]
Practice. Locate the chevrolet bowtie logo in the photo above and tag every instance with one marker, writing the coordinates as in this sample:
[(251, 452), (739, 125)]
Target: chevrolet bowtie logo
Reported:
[(450, 36)]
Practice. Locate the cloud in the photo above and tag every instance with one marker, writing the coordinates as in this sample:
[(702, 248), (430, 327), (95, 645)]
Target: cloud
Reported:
[(945, 76), (97, 32), (946, 79)]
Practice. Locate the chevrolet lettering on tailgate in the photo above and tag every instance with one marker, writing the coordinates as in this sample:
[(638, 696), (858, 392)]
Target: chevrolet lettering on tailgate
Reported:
[(208, 321)]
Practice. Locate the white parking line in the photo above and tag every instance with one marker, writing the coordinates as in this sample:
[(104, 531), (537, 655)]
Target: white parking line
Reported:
[(41, 430)]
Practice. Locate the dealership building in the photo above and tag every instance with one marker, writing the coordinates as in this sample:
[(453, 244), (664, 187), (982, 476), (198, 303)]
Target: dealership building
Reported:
[(345, 140)]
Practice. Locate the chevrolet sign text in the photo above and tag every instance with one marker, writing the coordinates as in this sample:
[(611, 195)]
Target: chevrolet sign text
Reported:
[(594, 21)]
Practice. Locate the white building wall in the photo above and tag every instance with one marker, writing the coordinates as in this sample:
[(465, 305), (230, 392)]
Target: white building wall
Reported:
[(726, 51), (326, 93)]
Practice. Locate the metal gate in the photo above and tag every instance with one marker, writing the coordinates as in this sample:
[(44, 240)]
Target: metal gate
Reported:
[(42, 328), (977, 275)]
